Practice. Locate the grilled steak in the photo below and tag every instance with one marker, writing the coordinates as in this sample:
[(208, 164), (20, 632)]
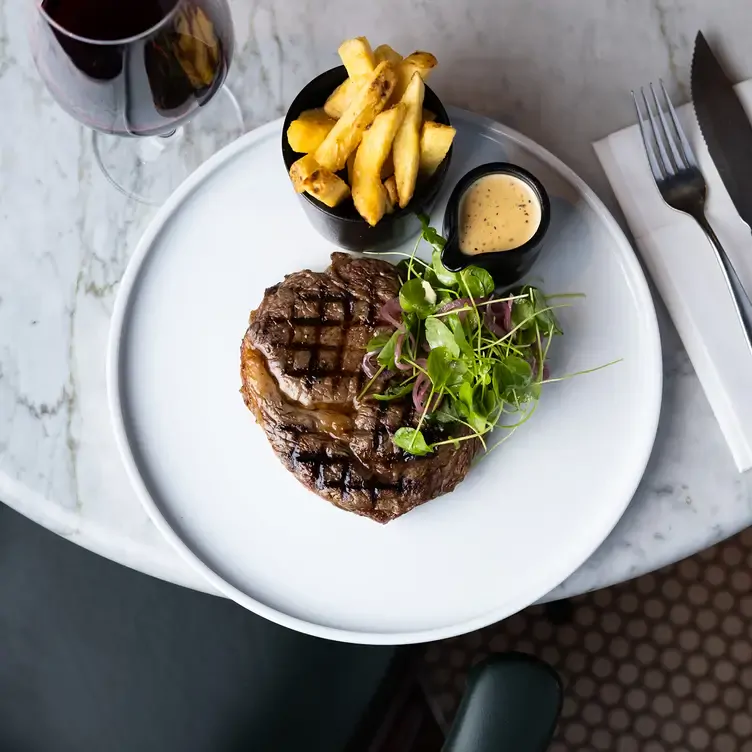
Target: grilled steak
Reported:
[(301, 376)]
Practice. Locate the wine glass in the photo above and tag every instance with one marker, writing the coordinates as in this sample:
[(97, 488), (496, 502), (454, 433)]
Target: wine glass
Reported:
[(144, 70)]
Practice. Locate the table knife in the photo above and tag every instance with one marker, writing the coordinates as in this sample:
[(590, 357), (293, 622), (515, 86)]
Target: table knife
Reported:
[(724, 126)]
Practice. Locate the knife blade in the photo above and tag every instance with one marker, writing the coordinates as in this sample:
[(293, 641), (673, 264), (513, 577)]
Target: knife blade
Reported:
[(724, 126)]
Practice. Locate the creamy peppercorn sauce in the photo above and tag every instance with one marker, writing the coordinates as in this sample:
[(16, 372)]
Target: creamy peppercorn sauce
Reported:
[(498, 213)]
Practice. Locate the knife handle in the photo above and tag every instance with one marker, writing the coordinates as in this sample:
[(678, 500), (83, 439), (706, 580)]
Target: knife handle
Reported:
[(739, 295)]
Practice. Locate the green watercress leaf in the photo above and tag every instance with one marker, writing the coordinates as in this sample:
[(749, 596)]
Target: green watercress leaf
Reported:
[(546, 319), (466, 394), (412, 441), (483, 374), (526, 336), (438, 334), (476, 282), (395, 391), (417, 296), (471, 408), (377, 342), (447, 278), (439, 367), (461, 340), (512, 374), (429, 275), (486, 402), (386, 356), (458, 372), (523, 310), (430, 234), (446, 414)]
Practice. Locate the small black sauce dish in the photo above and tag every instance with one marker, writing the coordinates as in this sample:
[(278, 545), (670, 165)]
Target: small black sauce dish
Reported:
[(506, 267), (342, 225)]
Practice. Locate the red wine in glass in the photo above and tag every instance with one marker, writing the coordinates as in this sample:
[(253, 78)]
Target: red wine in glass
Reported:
[(133, 67)]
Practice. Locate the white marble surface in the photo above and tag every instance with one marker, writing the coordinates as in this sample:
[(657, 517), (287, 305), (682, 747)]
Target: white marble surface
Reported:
[(558, 71)]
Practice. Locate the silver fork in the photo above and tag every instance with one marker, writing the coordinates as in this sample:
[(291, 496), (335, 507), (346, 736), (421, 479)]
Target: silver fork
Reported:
[(683, 187)]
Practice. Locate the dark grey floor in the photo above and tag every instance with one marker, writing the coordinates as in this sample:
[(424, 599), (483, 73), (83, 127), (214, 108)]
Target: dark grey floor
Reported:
[(96, 657)]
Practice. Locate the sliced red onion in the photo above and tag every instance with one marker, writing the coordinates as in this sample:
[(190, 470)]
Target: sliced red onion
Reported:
[(370, 364), (420, 390), (498, 317), (506, 315), (460, 303), (398, 354), (493, 325), (502, 309), (413, 343), (391, 312), (452, 304)]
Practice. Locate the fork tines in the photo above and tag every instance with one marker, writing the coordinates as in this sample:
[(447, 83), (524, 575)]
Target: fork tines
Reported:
[(674, 153)]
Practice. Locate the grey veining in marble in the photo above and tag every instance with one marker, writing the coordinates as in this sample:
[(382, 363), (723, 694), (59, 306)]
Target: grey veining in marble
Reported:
[(558, 71)]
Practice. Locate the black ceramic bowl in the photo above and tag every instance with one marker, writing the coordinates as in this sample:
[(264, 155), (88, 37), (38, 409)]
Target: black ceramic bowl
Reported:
[(342, 224), (506, 267)]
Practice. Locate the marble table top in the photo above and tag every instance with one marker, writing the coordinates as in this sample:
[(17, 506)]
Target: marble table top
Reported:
[(560, 72)]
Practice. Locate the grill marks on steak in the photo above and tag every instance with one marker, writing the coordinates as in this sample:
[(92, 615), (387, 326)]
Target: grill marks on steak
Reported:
[(313, 328), (301, 372)]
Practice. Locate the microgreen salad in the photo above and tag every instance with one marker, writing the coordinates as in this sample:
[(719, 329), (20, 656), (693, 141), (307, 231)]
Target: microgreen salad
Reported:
[(466, 356)]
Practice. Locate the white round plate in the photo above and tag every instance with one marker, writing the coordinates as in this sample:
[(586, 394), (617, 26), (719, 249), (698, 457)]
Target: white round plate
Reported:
[(524, 518)]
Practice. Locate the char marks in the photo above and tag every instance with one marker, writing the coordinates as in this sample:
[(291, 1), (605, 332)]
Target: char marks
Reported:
[(313, 328), (301, 372)]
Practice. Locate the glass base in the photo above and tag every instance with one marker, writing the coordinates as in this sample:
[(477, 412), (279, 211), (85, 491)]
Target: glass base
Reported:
[(149, 169)]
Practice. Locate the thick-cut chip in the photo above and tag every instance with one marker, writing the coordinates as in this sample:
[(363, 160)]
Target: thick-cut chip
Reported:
[(435, 141), (357, 56), (344, 137), (421, 62), (388, 203), (385, 52), (350, 165), (307, 132), (339, 100), (326, 187), (388, 169), (417, 62), (302, 170), (390, 184), (369, 194), (406, 147), (360, 62)]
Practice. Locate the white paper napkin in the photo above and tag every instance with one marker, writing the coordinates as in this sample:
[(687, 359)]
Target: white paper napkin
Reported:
[(685, 271)]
